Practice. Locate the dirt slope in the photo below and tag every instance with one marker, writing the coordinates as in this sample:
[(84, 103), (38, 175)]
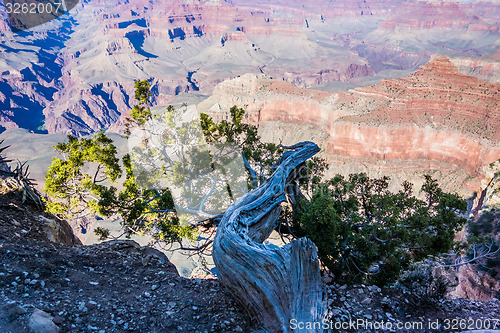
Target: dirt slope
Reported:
[(115, 286)]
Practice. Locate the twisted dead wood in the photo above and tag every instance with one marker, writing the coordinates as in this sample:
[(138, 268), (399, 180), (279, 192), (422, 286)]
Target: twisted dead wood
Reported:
[(277, 284)]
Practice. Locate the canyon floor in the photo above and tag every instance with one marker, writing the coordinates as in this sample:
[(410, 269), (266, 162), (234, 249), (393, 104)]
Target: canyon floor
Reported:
[(119, 286)]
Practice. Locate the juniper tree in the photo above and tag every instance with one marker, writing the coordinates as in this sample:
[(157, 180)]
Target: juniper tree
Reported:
[(364, 232)]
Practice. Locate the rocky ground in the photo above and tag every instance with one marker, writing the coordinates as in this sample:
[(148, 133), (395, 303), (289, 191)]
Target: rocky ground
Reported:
[(119, 286), (112, 287), (390, 307), (115, 286)]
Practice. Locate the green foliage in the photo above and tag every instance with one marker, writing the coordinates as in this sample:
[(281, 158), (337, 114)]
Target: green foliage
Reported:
[(74, 192), (85, 180), (366, 233), (260, 155), (484, 241), (141, 112), (72, 189), (485, 224), (103, 233), (172, 153), (311, 174)]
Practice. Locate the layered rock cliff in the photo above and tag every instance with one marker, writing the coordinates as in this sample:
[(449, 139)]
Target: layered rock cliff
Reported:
[(435, 119), (75, 74)]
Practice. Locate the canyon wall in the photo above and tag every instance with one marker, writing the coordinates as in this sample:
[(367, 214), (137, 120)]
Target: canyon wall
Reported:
[(75, 75), (436, 119)]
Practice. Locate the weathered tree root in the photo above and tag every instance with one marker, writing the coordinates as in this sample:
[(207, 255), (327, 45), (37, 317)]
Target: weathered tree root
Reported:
[(276, 284)]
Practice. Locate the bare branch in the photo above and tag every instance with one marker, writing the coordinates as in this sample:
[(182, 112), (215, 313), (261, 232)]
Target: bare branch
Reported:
[(251, 171), (477, 254)]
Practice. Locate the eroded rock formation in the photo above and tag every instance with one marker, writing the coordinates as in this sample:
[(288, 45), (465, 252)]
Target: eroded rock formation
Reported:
[(75, 75), (434, 119)]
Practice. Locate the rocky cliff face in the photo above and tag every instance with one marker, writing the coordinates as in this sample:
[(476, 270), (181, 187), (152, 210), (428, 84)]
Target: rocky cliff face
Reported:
[(50, 282), (435, 114), (18, 211), (484, 68), (434, 119), (115, 286), (75, 75)]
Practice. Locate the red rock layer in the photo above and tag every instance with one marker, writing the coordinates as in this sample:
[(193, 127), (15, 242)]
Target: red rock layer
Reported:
[(405, 143), (435, 114), (437, 95)]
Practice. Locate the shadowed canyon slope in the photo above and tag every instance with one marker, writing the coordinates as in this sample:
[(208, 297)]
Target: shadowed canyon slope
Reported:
[(75, 75), (435, 118)]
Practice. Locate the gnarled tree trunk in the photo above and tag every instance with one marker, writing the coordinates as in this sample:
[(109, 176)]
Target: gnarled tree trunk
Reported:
[(279, 285)]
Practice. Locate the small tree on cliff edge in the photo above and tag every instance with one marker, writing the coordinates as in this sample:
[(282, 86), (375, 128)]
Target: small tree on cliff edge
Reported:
[(363, 232), (366, 233), (85, 178)]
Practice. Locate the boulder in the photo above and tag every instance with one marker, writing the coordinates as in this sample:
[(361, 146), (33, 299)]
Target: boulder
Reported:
[(41, 322)]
